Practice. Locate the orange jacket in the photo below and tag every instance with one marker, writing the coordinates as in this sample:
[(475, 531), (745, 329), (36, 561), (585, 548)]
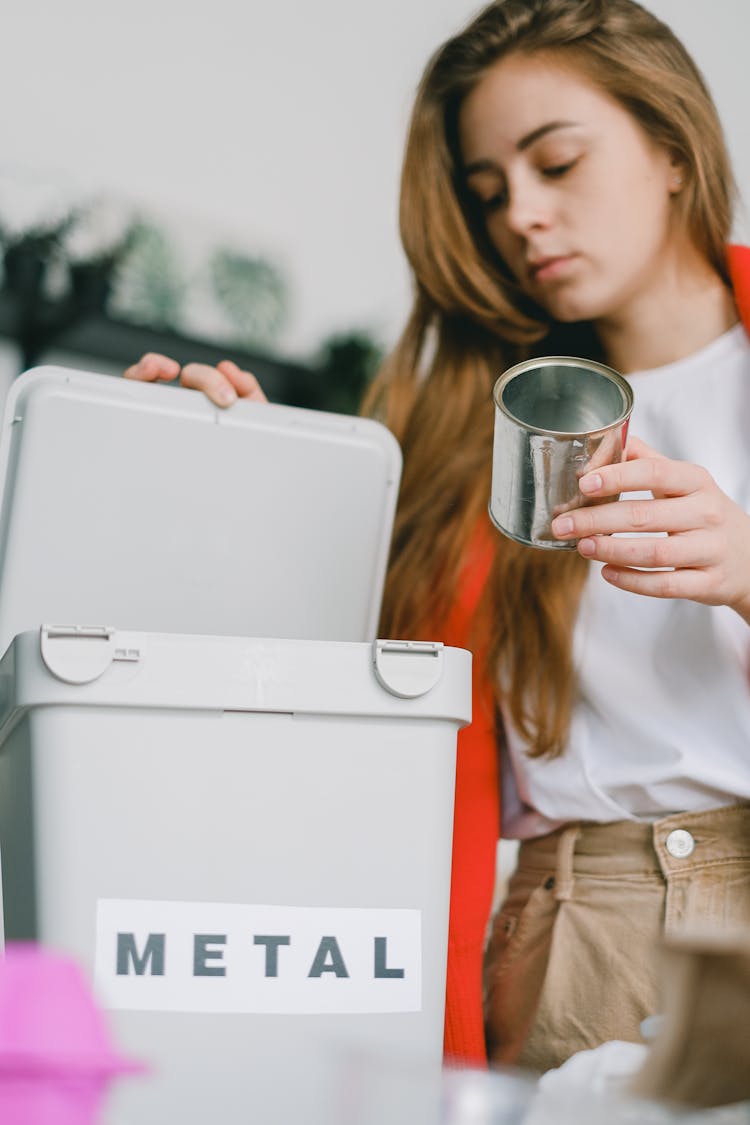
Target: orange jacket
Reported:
[(476, 826)]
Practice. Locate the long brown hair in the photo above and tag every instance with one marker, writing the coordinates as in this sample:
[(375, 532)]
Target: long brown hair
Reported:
[(470, 321)]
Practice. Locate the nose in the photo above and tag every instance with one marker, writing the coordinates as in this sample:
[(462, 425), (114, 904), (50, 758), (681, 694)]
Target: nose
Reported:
[(527, 208)]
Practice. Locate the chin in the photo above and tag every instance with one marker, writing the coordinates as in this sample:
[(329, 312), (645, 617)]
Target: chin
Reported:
[(568, 308), (567, 312)]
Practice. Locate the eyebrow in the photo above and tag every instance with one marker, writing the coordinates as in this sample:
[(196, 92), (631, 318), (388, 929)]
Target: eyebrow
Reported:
[(524, 143)]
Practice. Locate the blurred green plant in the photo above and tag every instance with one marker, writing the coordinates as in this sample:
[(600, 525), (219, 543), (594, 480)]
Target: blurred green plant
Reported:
[(99, 259), (29, 255), (252, 294), (347, 362), (51, 287), (147, 282)]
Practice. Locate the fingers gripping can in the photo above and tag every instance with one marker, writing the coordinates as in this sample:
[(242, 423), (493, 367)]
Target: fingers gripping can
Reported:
[(556, 418)]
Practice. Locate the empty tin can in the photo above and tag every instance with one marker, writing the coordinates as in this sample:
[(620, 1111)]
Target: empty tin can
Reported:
[(556, 418)]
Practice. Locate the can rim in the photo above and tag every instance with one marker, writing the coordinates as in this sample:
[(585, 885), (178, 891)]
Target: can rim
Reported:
[(563, 361)]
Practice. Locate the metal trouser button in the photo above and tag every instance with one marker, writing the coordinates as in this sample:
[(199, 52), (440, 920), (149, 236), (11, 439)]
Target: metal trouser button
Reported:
[(680, 843)]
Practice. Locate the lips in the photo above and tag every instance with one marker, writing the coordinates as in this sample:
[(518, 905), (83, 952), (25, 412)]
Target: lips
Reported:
[(548, 268)]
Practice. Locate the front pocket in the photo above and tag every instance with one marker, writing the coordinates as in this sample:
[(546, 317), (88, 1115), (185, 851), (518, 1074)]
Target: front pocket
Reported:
[(515, 963), (529, 902)]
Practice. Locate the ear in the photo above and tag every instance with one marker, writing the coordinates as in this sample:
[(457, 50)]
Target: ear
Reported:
[(677, 173)]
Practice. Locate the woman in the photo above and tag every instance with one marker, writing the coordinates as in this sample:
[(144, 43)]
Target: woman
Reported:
[(566, 190)]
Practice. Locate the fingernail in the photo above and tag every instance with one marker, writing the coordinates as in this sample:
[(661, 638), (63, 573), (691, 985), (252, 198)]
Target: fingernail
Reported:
[(592, 482), (225, 396), (563, 525), (586, 547)]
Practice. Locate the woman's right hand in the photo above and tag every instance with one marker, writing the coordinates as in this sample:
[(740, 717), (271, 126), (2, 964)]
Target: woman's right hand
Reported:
[(222, 384)]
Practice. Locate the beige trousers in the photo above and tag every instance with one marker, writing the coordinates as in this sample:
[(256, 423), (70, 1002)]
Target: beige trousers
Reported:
[(572, 959)]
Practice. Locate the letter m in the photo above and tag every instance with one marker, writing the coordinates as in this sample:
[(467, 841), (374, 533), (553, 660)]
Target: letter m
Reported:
[(151, 959)]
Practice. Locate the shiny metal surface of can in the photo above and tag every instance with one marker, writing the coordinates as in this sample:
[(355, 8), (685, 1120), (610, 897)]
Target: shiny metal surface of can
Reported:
[(556, 418)]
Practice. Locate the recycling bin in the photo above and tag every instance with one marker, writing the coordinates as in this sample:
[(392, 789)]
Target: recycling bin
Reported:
[(218, 792), (246, 843)]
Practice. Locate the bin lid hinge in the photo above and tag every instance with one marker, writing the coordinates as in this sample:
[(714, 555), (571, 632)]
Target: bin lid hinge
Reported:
[(408, 668), (79, 654)]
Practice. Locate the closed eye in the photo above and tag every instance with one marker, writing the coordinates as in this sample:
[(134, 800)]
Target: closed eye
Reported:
[(555, 171), (494, 202), (500, 198)]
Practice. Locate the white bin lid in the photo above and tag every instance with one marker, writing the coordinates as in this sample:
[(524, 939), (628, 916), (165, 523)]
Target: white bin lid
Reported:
[(148, 508), (73, 667)]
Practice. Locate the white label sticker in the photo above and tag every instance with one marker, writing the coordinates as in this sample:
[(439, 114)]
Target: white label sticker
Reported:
[(227, 957)]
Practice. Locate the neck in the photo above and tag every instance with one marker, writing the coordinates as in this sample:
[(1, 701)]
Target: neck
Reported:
[(687, 307)]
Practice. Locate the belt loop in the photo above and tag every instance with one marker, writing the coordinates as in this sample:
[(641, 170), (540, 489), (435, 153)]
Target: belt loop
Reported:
[(565, 852)]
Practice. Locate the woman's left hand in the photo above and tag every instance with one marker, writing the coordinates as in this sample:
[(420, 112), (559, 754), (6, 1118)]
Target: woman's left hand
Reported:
[(706, 549)]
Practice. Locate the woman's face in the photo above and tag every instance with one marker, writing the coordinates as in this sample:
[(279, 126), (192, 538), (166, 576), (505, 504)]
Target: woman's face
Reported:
[(576, 197)]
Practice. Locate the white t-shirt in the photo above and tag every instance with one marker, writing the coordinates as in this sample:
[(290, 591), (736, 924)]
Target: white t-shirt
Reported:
[(663, 720)]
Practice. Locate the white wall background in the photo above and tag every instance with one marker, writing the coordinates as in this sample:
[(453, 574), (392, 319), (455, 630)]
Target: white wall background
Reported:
[(275, 125)]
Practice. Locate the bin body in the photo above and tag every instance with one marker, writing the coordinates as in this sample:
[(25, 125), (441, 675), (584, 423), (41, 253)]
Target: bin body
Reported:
[(247, 844)]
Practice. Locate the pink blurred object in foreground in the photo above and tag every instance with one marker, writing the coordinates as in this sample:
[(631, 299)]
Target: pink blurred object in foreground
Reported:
[(56, 1057)]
